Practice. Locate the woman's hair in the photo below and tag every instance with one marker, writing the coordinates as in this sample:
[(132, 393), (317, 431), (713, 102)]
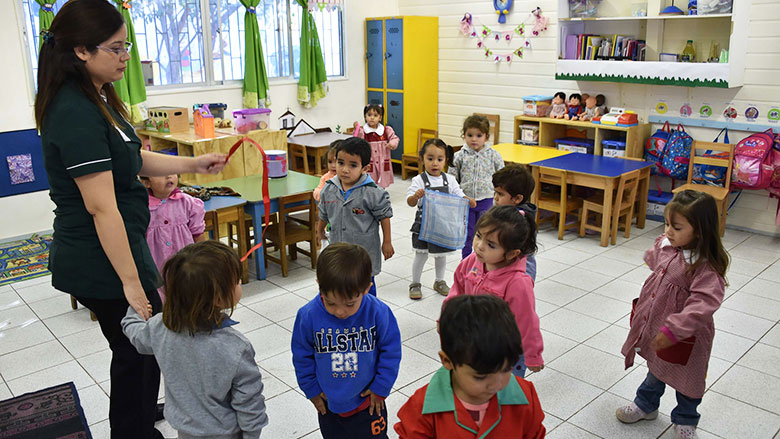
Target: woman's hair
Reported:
[(344, 269), (481, 332), (701, 211), (476, 121), (332, 149), (448, 152), (380, 110), (199, 282), (79, 23), (515, 230)]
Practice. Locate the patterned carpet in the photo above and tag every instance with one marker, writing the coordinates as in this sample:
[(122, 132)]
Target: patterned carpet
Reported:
[(49, 413), (24, 259)]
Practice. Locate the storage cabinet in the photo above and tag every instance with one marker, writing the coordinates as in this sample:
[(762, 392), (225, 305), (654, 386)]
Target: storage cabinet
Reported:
[(402, 73)]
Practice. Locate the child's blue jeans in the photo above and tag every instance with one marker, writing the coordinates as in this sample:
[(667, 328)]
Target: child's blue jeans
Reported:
[(648, 398), (519, 369)]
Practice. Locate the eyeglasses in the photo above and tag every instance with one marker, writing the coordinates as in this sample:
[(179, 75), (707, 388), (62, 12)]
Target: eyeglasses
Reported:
[(118, 51)]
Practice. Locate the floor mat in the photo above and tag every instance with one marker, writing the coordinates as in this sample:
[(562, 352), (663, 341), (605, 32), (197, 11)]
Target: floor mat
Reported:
[(24, 259), (49, 413)]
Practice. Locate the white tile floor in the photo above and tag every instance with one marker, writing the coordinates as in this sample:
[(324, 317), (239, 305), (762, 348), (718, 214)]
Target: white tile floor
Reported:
[(583, 292)]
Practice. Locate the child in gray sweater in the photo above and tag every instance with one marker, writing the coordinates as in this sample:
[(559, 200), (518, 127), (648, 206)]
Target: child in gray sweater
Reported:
[(213, 387)]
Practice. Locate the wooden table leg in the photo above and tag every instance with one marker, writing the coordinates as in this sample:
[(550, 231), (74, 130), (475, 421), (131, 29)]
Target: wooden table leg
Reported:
[(642, 191), (305, 160), (606, 216), (242, 238)]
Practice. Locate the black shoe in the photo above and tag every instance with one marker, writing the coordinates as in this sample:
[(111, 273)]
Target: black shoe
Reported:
[(159, 416)]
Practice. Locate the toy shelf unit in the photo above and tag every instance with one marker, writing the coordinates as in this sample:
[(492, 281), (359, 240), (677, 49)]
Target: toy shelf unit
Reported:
[(402, 71), (614, 46), (552, 129)]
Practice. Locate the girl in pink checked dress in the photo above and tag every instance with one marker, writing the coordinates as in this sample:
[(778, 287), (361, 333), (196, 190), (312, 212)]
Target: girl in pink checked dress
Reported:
[(671, 324), (382, 139), (176, 220)]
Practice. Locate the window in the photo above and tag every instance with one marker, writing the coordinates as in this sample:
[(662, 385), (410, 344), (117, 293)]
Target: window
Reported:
[(170, 34)]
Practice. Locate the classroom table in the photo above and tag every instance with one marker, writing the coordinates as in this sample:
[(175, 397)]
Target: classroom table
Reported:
[(250, 187), (526, 154), (599, 172), (230, 209), (317, 145)]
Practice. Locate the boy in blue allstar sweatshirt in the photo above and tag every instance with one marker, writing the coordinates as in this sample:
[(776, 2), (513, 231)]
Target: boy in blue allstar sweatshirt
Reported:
[(346, 347)]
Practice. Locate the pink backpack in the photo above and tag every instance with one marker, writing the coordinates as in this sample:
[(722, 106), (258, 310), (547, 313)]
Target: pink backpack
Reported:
[(753, 161), (774, 185)]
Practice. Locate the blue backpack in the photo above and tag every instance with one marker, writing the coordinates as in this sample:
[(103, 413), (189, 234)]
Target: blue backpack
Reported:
[(655, 145), (677, 154)]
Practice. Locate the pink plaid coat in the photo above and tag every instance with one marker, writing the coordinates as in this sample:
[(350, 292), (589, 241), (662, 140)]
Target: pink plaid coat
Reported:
[(684, 304), (381, 165)]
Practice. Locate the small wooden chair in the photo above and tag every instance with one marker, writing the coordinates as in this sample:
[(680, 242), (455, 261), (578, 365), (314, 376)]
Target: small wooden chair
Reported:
[(721, 194), (287, 231), (494, 126), (560, 203), (411, 162), (623, 206), (297, 158)]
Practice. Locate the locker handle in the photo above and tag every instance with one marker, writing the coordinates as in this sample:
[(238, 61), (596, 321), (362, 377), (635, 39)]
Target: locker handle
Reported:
[(394, 103), (388, 55)]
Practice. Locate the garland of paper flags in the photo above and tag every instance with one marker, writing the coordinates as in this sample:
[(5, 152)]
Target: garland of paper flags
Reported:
[(324, 4), (481, 32)]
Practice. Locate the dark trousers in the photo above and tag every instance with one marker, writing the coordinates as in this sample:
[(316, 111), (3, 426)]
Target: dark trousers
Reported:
[(474, 214), (135, 378), (648, 398), (358, 426)]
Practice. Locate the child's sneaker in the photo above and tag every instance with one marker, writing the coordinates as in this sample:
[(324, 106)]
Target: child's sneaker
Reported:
[(685, 432), (631, 413), (415, 291), (441, 287)]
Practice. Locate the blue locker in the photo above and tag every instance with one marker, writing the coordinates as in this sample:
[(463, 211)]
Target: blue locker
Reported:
[(376, 98), (395, 118), (394, 53), (375, 54)]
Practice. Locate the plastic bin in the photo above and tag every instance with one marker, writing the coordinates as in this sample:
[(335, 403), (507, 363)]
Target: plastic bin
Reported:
[(536, 105), (216, 110), (656, 204), (250, 119), (613, 148), (169, 151), (529, 134), (575, 144), (705, 7)]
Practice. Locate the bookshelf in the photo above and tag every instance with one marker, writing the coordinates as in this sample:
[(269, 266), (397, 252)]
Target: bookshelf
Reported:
[(662, 34)]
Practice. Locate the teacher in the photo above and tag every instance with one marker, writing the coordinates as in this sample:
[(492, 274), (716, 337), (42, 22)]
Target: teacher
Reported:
[(93, 158)]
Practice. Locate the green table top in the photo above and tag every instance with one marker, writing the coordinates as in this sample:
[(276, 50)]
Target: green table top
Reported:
[(251, 186)]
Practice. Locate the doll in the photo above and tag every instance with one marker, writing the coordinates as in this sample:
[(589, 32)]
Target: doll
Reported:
[(601, 105), (590, 110), (574, 107), (558, 107)]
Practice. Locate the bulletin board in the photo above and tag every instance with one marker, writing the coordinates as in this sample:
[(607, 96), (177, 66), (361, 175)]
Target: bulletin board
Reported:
[(21, 163)]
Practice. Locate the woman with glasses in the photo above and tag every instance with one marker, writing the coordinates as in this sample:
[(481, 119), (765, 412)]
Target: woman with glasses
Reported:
[(93, 158)]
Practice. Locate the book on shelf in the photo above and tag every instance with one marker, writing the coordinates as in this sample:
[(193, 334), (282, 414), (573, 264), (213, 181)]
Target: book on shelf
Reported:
[(609, 47)]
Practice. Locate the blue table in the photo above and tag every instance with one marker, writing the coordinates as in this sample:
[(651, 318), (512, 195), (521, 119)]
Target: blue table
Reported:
[(229, 209), (600, 172)]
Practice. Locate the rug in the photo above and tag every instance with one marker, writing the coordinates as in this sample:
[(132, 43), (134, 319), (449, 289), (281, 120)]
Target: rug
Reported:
[(25, 259), (46, 414)]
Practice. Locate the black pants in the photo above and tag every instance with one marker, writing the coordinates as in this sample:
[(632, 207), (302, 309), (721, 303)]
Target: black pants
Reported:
[(135, 378), (358, 426)]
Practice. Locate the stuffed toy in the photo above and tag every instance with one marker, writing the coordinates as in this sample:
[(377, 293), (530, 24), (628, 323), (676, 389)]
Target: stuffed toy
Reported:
[(558, 107), (574, 107)]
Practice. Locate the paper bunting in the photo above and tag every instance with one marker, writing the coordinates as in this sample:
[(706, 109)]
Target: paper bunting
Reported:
[(470, 29), (324, 4)]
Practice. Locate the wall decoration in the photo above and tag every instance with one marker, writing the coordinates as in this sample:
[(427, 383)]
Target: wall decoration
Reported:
[(685, 110), (323, 4), (730, 112), (20, 168), (751, 113), (705, 111), (773, 115), (482, 33), (661, 107), (502, 9)]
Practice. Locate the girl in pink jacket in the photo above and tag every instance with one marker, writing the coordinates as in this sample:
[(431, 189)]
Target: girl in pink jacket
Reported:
[(671, 323), (382, 139), (503, 239)]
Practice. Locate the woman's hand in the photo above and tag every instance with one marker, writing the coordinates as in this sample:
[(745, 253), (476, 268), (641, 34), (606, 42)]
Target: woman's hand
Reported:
[(211, 163), (134, 293)]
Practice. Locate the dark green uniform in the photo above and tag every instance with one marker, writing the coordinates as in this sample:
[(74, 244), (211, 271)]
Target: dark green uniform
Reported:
[(78, 140)]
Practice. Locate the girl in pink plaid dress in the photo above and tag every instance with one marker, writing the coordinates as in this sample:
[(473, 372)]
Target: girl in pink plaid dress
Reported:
[(671, 323), (382, 139)]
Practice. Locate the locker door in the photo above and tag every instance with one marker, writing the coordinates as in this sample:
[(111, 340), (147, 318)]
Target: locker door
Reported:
[(374, 54), (394, 53), (376, 98), (395, 118)]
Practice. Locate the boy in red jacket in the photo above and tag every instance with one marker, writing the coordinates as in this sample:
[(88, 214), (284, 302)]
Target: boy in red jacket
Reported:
[(474, 394)]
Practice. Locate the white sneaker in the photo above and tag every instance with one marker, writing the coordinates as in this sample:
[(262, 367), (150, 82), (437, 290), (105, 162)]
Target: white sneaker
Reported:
[(631, 413), (685, 432)]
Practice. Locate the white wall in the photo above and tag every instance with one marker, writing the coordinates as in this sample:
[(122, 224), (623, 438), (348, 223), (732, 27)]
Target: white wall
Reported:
[(469, 83), (30, 213)]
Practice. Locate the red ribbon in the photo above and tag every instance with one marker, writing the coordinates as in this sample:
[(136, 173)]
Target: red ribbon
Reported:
[(266, 196)]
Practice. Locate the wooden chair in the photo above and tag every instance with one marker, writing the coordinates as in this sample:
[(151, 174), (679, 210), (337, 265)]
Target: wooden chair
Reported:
[(411, 162), (494, 126), (287, 231), (560, 203), (297, 158), (623, 206), (721, 194), (75, 305)]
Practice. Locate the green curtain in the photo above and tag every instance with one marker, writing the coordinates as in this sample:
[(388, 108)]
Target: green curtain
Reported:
[(131, 88), (313, 83), (255, 77), (45, 17)]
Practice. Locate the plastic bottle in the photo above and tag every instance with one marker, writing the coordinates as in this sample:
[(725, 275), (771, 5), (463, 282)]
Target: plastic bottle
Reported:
[(688, 53)]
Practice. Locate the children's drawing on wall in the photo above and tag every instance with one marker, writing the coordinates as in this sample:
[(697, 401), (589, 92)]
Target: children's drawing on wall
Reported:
[(20, 168)]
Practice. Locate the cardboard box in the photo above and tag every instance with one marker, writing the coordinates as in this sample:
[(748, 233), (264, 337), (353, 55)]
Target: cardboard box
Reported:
[(203, 122), (170, 119)]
